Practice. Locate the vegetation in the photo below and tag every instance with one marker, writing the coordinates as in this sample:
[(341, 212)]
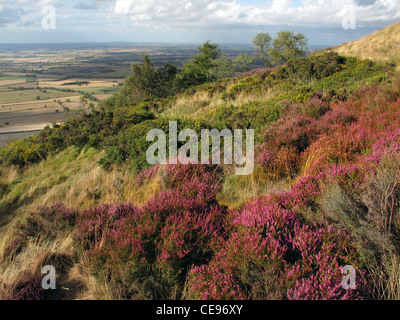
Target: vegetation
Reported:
[(381, 45), (285, 46), (324, 193)]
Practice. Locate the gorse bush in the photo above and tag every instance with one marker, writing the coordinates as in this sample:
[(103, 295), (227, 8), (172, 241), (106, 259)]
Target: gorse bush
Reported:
[(312, 68), (89, 130), (130, 145), (255, 115)]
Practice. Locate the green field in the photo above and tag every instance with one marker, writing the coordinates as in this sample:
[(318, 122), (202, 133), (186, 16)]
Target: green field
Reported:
[(6, 77), (16, 96), (99, 90)]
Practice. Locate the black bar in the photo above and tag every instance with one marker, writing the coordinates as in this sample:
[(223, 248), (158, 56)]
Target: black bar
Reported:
[(197, 309)]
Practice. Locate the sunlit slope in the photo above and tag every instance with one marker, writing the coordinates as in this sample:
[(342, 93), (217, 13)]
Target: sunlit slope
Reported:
[(380, 45)]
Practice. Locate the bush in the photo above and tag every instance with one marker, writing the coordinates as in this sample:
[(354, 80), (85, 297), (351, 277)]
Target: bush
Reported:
[(311, 68), (83, 130), (148, 251), (23, 152), (131, 144), (368, 206), (271, 254), (28, 289)]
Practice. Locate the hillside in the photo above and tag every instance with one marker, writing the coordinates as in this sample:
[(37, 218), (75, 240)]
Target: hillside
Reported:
[(381, 45), (323, 196)]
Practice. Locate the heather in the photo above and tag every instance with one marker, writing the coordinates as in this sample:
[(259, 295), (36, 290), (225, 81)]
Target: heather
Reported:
[(324, 193), (149, 250)]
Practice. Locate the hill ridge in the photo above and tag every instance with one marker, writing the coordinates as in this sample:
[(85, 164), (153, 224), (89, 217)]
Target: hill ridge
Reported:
[(383, 44)]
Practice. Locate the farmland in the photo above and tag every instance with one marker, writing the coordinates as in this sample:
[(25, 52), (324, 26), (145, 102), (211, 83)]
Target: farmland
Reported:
[(45, 83)]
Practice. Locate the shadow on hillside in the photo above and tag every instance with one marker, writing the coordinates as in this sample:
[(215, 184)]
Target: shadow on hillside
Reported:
[(10, 204), (68, 286)]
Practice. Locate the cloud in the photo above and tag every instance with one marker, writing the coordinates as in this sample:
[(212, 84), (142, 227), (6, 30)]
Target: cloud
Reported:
[(9, 14), (86, 5), (204, 13), (190, 20), (273, 12)]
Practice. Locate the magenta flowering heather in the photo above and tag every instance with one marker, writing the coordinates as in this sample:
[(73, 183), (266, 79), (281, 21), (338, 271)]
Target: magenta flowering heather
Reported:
[(273, 254)]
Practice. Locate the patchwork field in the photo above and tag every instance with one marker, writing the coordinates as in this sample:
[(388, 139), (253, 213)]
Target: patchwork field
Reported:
[(41, 84), (40, 104), (37, 87)]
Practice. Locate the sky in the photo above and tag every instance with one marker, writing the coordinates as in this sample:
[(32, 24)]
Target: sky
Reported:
[(324, 22)]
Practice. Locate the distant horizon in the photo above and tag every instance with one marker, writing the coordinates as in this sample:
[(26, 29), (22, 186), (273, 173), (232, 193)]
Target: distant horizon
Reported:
[(44, 45), (193, 43), (190, 44)]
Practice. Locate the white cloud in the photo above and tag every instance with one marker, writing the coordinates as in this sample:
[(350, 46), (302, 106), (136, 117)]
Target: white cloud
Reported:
[(273, 12), (197, 13), (163, 20)]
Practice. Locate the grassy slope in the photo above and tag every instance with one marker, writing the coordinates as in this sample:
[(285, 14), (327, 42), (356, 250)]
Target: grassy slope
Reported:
[(381, 45)]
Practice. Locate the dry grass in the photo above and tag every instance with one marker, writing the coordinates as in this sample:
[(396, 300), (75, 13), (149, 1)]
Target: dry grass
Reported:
[(76, 180), (10, 174), (237, 190), (201, 103), (385, 279), (381, 45), (38, 252), (189, 106), (72, 178)]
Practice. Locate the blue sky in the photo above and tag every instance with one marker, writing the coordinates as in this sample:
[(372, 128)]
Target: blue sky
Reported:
[(192, 21)]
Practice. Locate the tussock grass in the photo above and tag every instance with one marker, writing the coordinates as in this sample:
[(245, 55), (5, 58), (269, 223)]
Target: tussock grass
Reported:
[(385, 278), (237, 190), (381, 45), (71, 177), (188, 105), (202, 102), (39, 252)]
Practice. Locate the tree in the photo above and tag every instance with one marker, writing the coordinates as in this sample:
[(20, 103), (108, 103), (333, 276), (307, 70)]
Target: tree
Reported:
[(242, 62), (144, 80), (84, 101), (197, 71), (262, 41), (147, 81), (285, 46), (288, 45), (224, 68)]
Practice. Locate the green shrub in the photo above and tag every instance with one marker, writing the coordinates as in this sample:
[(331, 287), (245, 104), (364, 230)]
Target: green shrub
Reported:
[(23, 152), (247, 85), (131, 144), (253, 115)]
